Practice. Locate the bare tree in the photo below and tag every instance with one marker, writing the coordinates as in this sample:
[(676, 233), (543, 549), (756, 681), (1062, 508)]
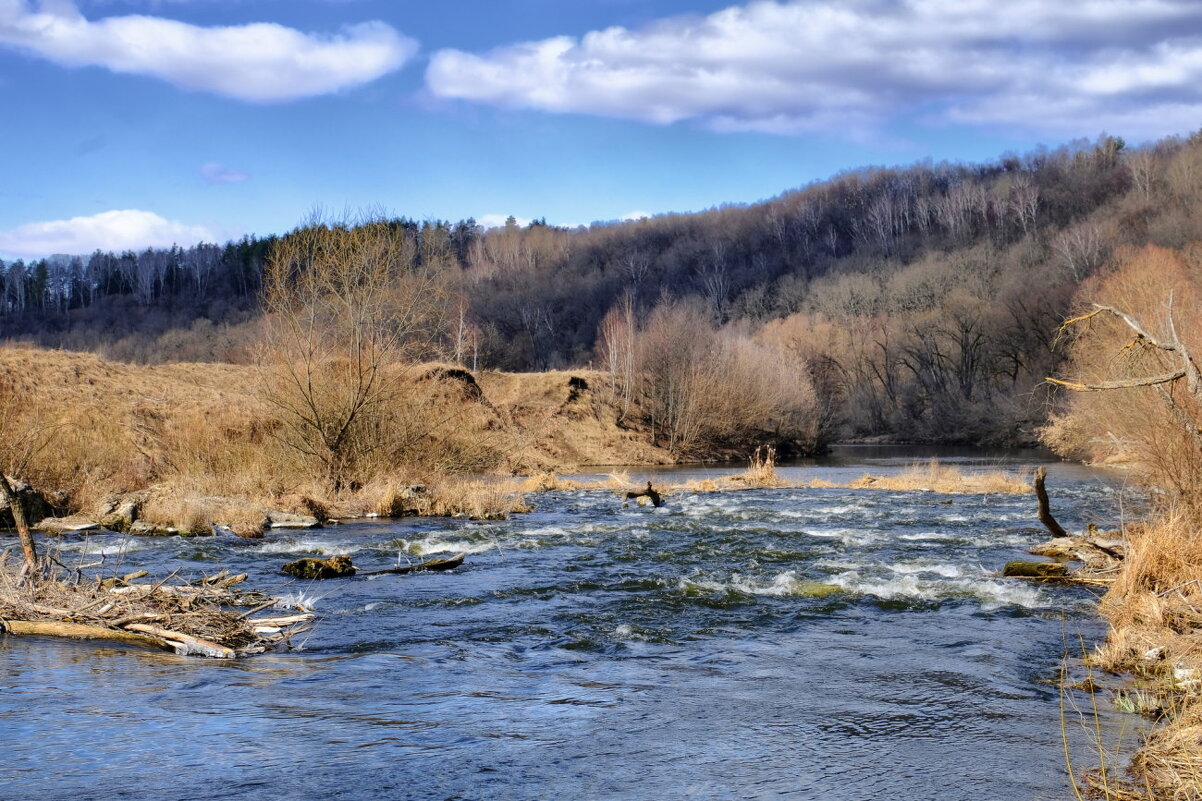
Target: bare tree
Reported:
[(24, 433), (1137, 385), (347, 309), (617, 348), (1082, 250), (1181, 365), (1144, 168)]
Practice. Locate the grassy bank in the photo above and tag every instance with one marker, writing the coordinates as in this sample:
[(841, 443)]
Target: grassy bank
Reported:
[(762, 474), (197, 444), (1136, 397), (1153, 609)]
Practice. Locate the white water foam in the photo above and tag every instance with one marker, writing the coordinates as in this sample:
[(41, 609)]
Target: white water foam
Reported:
[(847, 536), (434, 545), (304, 600), (931, 566), (839, 510), (106, 547), (991, 594), (931, 536), (782, 584), (322, 547)]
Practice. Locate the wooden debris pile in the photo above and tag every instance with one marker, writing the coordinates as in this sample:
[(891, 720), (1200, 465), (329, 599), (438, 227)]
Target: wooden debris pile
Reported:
[(1100, 553), (197, 619)]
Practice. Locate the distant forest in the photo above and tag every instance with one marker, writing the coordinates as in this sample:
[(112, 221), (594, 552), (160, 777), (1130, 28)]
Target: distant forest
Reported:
[(921, 303)]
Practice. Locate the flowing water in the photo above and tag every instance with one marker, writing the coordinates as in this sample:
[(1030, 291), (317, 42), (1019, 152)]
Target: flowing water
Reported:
[(810, 644)]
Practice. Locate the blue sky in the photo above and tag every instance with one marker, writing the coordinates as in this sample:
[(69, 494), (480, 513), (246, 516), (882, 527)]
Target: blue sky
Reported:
[(132, 123)]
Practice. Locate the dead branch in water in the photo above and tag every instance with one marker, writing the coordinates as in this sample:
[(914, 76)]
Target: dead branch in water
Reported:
[(1045, 512), (450, 563), (189, 620)]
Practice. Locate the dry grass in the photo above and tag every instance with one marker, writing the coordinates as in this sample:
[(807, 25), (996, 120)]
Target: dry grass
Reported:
[(200, 439), (474, 499), (447, 496), (196, 514), (760, 474), (1155, 598), (1156, 633), (548, 482), (1170, 763), (936, 477), (928, 477)]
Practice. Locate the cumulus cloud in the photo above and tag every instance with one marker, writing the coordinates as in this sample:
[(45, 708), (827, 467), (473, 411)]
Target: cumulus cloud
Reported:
[(128, 229), (217, 173), (260, 62), (855, 65)]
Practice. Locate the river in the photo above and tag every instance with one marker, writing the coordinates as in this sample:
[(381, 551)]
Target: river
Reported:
[(590, 650)]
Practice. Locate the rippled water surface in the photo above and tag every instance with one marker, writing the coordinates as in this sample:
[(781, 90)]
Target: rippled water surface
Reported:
[(810, 644)]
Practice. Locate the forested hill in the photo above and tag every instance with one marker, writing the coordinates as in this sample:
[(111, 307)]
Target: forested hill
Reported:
[(921, 302)]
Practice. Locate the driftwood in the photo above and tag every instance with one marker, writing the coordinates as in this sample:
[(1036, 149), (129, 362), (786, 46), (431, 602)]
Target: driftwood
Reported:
[(1100, 555), (1045, 511), (450, 563), (189, 620), (649, 493), (80, 631), (185, 644)]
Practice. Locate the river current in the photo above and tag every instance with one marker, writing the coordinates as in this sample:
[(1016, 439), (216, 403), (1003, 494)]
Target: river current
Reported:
[(810, 644)]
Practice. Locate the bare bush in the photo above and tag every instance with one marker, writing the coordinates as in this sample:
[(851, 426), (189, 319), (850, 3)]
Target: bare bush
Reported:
[(617, 348), (347, 306), (1138, 391), (711, 389)]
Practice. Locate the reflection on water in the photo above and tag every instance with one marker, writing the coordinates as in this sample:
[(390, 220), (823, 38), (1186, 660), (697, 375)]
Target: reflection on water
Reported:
[(801, 643)]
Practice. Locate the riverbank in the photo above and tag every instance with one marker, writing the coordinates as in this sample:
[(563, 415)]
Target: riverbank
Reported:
[(181, 448), (192, 444), (1156, 636)]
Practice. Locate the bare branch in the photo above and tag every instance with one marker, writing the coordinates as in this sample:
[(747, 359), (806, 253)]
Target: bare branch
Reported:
[(1129, 383)]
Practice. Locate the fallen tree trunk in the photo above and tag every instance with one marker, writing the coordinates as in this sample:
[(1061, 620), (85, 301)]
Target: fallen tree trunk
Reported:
[(190, 644), (80, 631), (648, 493), (450, 563)]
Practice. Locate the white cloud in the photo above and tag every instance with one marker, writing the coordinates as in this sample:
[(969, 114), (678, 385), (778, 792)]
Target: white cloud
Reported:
[(217, 173), (127, 229), (850, 66), (635, 215), (259, 62), (498, 221)]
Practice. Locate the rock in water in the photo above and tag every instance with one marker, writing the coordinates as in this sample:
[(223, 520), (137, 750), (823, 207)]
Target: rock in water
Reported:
[(334, 567), (1035, 570)]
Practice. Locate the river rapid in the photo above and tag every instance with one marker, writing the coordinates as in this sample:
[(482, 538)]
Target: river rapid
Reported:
[(810, 644)]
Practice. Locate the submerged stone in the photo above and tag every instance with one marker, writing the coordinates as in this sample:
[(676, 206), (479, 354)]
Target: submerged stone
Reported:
[(335, 567), (816, 589), (1035, 570)]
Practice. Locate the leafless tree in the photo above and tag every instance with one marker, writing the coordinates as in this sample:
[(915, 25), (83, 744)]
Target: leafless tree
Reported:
[(347, 309), (24, 433)]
